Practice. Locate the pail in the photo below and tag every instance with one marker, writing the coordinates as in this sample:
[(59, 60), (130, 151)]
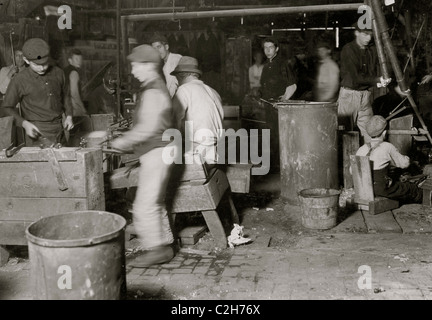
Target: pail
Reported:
[(319, 208), (78, 256)]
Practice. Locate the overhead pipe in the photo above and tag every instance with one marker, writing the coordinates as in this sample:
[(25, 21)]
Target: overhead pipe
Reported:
[(243, 12), (388, 45), (132, 10)]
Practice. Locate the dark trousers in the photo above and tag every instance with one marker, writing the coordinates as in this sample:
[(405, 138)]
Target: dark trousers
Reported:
[(404, 192)]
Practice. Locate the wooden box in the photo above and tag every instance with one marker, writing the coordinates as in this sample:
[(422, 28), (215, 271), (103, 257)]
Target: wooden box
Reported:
[(190, 235), (29, 189), (239, 177)]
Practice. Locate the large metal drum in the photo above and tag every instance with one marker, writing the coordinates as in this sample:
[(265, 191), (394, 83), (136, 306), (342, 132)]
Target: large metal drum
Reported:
[(308, 147), (78, 256)]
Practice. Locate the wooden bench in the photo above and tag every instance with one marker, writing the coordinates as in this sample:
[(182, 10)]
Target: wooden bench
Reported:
[(192, 189), (363, 187)]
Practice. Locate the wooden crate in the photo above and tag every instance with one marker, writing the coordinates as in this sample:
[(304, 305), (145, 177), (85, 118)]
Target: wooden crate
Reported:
[(239, 177), (29, 189)]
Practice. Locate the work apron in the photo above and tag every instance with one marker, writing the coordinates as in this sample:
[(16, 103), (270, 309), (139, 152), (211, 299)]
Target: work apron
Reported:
[(52, 130)]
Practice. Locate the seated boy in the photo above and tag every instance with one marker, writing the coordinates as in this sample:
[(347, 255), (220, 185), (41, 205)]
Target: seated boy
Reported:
[(383, 154)]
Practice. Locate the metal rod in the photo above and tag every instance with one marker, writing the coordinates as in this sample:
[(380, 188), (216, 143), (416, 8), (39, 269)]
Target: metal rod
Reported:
[(396, 113), (394, 110), (12, 49), (413, 47), (383, 27), (118, 32), (244, 12), (125, 38)]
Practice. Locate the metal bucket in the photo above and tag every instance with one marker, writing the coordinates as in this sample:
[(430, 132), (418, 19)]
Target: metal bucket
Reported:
[(78, 256), (319, 208), (308, 147)]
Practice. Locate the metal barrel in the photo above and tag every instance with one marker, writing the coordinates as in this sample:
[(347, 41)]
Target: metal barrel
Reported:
[(308, 147), (78, 256)]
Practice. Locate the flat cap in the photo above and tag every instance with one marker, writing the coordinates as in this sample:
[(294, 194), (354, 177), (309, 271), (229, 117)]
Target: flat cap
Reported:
[(363, 27), (36, 50), (158, 37), (144, 53), (375, 126)]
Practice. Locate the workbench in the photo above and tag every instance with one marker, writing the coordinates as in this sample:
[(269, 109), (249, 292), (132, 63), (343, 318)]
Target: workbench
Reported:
[(36, 182)]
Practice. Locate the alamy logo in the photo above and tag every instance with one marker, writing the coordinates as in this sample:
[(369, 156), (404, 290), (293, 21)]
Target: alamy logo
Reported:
[(65, 280), (365, 21), (65, 20), (203, 141), (365, 280)]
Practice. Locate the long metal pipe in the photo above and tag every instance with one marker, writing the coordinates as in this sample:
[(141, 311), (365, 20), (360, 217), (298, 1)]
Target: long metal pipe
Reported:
[(379, 46), (383, 28), (118, 33), (243, 12)]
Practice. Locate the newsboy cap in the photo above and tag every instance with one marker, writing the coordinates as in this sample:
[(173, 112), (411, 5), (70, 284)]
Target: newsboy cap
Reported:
[(375, 126), (365, 28), (36, 50), (187, 64), (158, 37), (144, 53)]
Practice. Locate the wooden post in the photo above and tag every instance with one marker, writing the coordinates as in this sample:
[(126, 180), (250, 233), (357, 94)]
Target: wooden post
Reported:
[(351, 143)]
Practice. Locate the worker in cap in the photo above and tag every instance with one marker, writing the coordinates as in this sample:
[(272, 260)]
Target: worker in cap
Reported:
[(326, 84), (358, 70), (278, 82), (170, 60), (152, 117), (383, 155), (198, 111), (40, 89)]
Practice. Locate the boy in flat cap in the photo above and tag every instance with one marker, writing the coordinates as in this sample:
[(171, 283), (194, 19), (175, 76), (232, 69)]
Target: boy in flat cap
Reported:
[(383, 154), (170, 60), (40, 89), (359, 65), (152, 117)]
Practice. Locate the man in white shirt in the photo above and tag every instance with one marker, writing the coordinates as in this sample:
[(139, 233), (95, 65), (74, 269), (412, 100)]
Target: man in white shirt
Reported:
[(326, 86), (170, 60), (198, 111)]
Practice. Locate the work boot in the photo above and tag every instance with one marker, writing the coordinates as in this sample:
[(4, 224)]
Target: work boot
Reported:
[(158, 255)]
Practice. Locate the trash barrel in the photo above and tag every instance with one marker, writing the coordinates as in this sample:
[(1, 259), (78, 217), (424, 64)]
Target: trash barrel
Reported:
[(78, 256), (319, 208), (308, 147)]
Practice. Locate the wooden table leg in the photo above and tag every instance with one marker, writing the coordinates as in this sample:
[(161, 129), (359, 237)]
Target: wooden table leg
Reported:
[(216, 228), (233, 210)]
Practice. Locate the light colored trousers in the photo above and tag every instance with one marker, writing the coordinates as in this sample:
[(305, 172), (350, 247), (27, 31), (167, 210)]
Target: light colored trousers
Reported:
[(151, 220), (354, 108)]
